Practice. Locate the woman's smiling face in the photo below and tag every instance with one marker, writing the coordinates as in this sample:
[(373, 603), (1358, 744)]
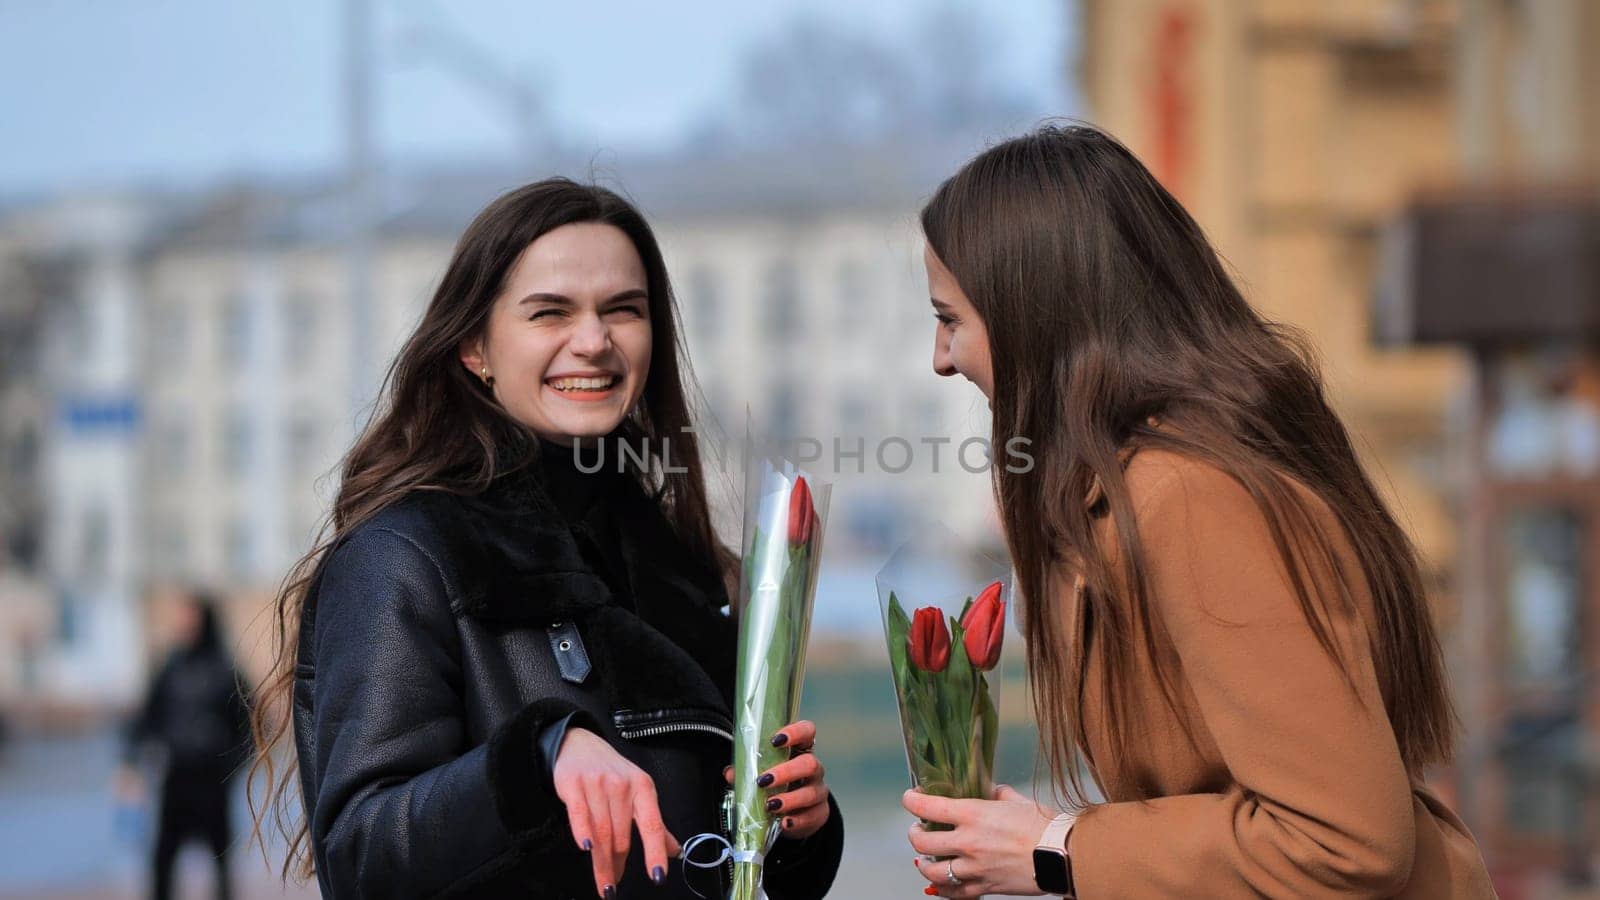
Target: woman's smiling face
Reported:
[(568, 340), (960, 342)]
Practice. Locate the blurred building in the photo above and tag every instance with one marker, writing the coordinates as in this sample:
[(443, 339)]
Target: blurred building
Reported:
[(1435, 162), (202, 355), (25, 615), (79, 261)]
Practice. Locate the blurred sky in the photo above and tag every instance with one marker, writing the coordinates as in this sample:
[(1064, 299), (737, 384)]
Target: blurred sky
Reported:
[(180, 91)]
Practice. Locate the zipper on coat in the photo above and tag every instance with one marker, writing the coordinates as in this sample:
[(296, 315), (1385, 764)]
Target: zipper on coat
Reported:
[(632, 725), (644, 731)]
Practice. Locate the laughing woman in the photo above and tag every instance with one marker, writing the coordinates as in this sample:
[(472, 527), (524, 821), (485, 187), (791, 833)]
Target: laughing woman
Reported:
[(1224, 623), (510, 657)]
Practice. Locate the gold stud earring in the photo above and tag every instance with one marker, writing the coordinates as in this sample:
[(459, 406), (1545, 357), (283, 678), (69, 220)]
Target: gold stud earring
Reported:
[(487, 378)]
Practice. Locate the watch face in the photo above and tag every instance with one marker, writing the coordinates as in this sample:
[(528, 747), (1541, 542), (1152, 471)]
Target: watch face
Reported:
[(1050, 871)]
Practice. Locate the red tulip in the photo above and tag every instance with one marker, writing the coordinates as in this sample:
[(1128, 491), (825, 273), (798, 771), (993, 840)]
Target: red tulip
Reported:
[(985, 628), (802, 514), (929, 640)]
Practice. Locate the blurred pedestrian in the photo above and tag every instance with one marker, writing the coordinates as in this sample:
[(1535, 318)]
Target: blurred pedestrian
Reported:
[(195, 717)]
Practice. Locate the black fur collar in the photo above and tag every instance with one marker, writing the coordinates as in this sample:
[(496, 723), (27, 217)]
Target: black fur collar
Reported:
[(517, 562), (515, 557)]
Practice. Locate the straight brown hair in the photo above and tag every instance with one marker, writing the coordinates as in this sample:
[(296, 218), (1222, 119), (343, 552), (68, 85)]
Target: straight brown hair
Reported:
[(439, 428), (1114, 326)]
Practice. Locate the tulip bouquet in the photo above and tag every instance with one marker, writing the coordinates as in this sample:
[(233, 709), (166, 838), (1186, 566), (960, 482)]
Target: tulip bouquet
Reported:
[(784, 515), (942, 666)]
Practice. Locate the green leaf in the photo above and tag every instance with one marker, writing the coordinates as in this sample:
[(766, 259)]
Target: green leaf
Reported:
[(899, 622), (955, 703), (899, 636), (990, 723)]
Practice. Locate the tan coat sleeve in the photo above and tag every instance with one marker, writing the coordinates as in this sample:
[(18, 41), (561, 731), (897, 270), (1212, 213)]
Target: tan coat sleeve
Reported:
[(1322, 806)]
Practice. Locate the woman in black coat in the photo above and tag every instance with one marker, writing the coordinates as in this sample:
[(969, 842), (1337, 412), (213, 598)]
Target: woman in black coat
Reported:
[(511, 664), (196, 716)]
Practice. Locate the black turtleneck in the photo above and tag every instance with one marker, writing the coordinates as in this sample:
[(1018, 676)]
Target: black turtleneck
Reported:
[(588, 500)]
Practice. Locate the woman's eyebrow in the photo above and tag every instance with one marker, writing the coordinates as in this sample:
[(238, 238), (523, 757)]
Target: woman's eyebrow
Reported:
[(564, 300), (546, 297)]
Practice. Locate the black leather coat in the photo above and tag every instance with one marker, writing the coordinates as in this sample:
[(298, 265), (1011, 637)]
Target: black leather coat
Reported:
[(440, 640)]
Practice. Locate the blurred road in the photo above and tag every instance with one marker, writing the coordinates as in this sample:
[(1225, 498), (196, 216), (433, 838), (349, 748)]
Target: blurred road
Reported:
[(59, 838)]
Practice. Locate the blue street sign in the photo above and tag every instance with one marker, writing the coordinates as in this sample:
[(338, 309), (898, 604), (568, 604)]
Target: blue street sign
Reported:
[(113, 414)]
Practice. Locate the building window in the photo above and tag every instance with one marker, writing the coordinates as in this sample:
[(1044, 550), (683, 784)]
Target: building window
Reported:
[(852, 416), (785, 412), (305, 447), (875, 522), (851, 289), (781, 301), (96, 559), (714, 409), (70, 618), (300, 330), (172, 448), (1547, 423), (72, 328), (236, 435), (929, 417), (238, 549), (1544, 776), (234, 342), (303, 525), (172, 548), (705, 303), (1544, 596), (168, 340)]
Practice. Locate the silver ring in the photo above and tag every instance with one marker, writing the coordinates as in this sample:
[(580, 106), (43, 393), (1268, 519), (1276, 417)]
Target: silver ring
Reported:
[(950, 869)]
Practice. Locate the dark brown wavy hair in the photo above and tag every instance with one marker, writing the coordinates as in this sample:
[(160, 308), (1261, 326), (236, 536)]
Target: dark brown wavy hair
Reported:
[(438, 428), (1109, 314)]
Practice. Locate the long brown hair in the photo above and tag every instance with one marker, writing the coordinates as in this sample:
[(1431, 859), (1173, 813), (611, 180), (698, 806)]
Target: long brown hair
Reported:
[(1114, 326), (438, 427)]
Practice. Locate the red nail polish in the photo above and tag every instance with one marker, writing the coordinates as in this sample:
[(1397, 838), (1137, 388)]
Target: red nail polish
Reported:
[(931, 891)]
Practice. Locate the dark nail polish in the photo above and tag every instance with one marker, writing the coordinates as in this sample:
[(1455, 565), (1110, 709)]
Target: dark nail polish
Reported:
[(788, 824), (764, 781), (610, 892), (779, 739), (658, 875), (774, 805), (587, 845)]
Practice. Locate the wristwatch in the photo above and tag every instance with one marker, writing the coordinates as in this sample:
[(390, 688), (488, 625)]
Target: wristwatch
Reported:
[(1052, 864)]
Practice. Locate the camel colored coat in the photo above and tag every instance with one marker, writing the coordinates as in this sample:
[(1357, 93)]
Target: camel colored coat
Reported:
[(1296, 788)]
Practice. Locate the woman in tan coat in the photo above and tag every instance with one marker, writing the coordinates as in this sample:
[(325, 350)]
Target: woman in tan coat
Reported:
[(1226, 628)]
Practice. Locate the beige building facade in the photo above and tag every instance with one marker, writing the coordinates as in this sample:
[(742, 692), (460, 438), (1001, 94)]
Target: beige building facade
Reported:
[(1294, 132), (1306, 136)]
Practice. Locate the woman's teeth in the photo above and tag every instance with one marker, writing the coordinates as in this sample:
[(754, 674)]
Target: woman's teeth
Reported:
[(583, 384)]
